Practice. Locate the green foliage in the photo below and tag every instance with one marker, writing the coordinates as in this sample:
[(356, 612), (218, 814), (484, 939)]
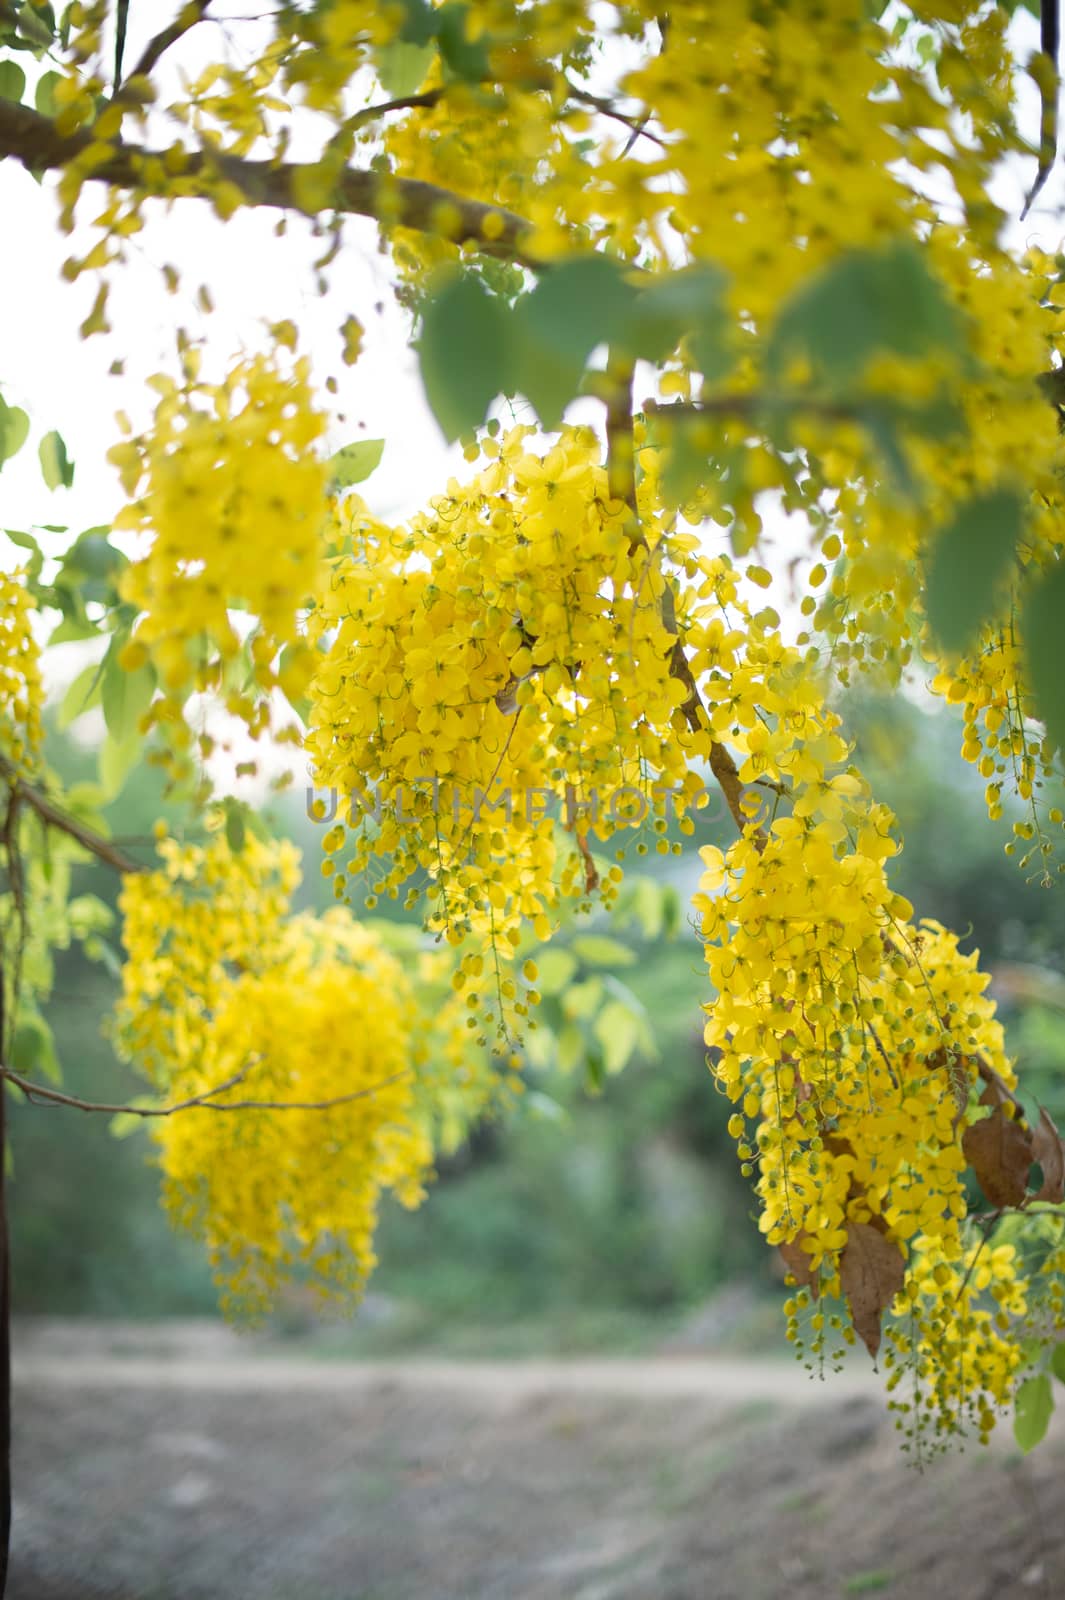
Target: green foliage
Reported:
[(969, 560), (44, 94), (575, 307), (865, 303), (1032, 1411), (355, 462), (463, 353), (124, 695), (12, 81), (56, 467), (476, 346), (402, 67), (14, 427), (689, 304), (33, 1046), (597, 950)]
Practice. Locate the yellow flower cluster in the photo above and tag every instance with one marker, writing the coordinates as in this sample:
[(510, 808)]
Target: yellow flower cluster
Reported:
[(227, 469), (529, 643), (502, 655), (305, 1037), (850, 1039), (950, 1355), (21, 695)]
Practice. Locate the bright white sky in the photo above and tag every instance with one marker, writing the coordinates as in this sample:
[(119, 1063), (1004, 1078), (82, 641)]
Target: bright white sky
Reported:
[(62, 381)]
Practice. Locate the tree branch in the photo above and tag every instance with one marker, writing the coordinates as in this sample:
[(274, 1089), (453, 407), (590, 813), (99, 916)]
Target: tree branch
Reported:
[(54, 816), (406, 102), (616, 395), (190, 14), (36, 1093), (28, 137), (749, 405), (606, 108)]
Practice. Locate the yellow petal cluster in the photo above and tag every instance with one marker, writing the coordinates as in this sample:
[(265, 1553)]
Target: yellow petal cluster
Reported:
[(21, 694)]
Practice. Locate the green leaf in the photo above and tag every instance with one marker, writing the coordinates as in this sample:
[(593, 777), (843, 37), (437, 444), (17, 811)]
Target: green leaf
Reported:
[(37, 24), (1032, 1409), (123, 1124), (677, 305), (541, 1106), (126, 696), (570, 1047), (236, 831), (14, 426), (356, 461), (116, 759), (463, 354), (12, 81), (25, 541), (57, 468), (73, 628), (1057, 1362), (617, 1031), (968, 562), (33, 1048), (596, 950), (555, 968), (419, 23), (82, 694), (403, 67), (581, 999), (576, 306), (126, 1122), (1042, 629), (863, 303), (467, 58), (44, 95), (93, 555)]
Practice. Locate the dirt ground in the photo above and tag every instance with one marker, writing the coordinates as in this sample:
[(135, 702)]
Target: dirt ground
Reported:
[(197, 1469)]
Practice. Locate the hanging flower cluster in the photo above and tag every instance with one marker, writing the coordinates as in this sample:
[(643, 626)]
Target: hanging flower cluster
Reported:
[(21, 695), (501, 658), (304, 1042), (227, 468)]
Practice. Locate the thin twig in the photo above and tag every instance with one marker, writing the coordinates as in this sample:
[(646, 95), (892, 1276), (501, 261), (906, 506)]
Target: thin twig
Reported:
[(405, 102), (607, 108), (54, 816), (986, 1223), (36, 1092)]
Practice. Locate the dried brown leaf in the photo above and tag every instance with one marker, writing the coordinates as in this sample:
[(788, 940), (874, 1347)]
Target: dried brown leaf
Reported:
[(1049, 1151), (999, 1150), (797, 1261), (871, 1270), (995, 1093)]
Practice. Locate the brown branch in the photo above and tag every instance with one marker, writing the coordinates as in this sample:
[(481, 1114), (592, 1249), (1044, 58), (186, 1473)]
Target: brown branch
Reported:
[(751, 406), (54, 816), (36, 1092), (406, 102), (616, 394), (607, 108), (28, 137), (191, 13)]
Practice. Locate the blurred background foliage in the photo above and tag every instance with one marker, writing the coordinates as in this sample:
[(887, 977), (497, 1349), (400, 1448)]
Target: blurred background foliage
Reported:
[(605, 1211)]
